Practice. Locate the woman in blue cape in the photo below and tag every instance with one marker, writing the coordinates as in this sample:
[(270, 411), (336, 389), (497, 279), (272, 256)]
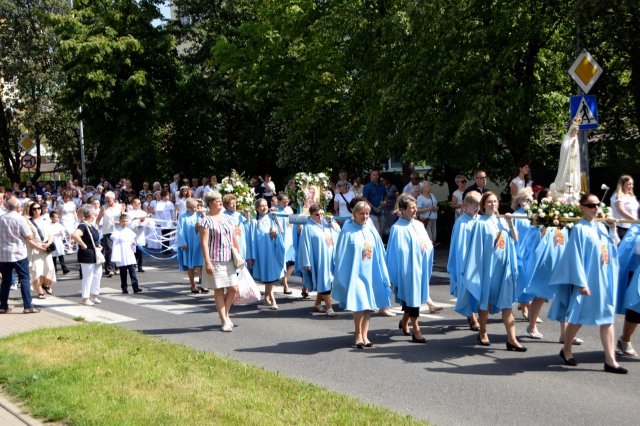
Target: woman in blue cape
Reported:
[(361, 280), (265, 251), (229, 201), (586, 285), (460, 246), (188, 244), (629, 287), (315, 258), (410, 261), (490, 272), (520, 204)]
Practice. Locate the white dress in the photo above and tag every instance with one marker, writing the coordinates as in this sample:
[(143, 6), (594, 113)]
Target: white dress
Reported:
[(68, 216), (40, 263), (122, 252)]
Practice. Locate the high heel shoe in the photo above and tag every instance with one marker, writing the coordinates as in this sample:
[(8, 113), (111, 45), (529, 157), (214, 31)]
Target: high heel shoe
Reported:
[(359, 345), (473, 325), (511, 347), (484, 342), (405, 332), (416, 340)]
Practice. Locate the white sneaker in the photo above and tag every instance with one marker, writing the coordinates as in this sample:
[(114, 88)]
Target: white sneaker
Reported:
[(576, 341), (330, 312), (626, 348), (227, 328), (95, 300), (87, 302), (319, 308), (14, 286)]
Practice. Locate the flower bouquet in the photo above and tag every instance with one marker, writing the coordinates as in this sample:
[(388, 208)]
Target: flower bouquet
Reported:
[(308, 188), (236, 185), (559, 213)]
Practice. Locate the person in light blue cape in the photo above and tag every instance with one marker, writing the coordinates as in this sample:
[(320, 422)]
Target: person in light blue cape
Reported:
[(459, 247), (361, 281), (315, 257), (229, 201), (586, 286), (410, 262), (188, 244), (629, 287), (265, 251), (490, 272), (520, 204), (290, 243)]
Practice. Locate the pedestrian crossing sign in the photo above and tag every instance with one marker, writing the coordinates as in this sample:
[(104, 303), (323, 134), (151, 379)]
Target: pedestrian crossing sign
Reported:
[(584, 107)]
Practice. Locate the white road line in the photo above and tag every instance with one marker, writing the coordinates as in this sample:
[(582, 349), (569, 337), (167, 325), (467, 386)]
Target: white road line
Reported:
[(164, 304), (439, 274), (88, 313)]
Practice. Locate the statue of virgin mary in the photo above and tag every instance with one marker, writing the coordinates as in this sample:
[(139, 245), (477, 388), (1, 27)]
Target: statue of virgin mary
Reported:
[(568, 182)]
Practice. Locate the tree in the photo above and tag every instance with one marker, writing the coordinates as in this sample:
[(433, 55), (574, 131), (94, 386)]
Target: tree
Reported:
[(122, 71), (31, 81)]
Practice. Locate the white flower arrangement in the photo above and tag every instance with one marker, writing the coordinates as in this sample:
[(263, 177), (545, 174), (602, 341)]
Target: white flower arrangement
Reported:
[(236, 185), (298, 188)]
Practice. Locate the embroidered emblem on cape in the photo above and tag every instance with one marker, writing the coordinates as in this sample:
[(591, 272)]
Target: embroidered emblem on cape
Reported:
[(499, 241), (238, 230), (273, 233), (604, 258), (367, 251), (558, 238), (329, 238), (425, 245)]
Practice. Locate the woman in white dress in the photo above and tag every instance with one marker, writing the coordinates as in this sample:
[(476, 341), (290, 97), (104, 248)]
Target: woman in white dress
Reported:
[(624, 204), (41, 268), (68, 216), (521, 178), (427, 205)]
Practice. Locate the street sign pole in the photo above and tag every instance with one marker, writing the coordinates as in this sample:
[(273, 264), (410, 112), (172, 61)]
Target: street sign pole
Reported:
[(82, 162), (583, 138)]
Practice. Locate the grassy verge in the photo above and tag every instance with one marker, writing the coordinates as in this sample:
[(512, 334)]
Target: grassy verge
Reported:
[(100, 374)]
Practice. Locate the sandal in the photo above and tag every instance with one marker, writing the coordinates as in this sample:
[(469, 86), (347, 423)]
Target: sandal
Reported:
[(473, 325), (47, 289), (203, 290), (195, 291), (41, 296)]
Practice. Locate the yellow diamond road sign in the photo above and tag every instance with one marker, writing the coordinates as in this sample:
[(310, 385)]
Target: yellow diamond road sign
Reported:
[(585, 71), (26, 143)]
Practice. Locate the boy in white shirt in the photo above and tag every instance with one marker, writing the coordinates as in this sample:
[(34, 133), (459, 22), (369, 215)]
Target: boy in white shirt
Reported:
[(122, 253), (59, 234)]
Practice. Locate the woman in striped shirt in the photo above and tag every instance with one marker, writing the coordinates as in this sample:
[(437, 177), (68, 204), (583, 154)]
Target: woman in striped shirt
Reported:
[(217, 235)]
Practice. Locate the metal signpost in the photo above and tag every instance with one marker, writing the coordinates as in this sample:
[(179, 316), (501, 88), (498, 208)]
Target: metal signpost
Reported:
[(585, 71)]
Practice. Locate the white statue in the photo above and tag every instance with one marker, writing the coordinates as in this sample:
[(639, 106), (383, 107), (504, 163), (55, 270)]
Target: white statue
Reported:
[(568, 182)]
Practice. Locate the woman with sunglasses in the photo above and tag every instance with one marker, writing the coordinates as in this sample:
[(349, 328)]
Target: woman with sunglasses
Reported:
[(41, 268), (490, 272), (456, 197), (586, 287)]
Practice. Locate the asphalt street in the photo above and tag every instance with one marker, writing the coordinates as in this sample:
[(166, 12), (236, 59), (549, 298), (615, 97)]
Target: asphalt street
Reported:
[(449, 381)]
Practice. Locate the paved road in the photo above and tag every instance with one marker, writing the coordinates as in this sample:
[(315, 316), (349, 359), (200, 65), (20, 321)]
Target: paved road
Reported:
[(448, 381)]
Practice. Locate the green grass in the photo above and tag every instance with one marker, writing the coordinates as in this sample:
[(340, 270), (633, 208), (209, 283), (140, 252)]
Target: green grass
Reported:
[(105, 375)]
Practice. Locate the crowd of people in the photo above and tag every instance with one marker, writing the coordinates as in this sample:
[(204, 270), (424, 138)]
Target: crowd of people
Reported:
[(495, 261)]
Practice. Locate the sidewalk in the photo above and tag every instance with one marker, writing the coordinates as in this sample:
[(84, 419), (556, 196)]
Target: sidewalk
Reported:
[(11, 413)]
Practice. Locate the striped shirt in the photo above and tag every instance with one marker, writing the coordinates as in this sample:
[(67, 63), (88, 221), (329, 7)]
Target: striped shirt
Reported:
[(14, 229), (220, 237)]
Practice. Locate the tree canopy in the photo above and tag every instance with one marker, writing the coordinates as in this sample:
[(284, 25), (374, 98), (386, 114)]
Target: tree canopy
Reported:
[(291, 85)]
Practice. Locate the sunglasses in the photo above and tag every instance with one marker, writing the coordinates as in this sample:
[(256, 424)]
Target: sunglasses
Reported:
[(590, 205), (36, 208), (463, 181)]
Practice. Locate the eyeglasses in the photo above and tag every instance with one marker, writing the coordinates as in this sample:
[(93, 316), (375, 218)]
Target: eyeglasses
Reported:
[(590, 205), (463, 181)]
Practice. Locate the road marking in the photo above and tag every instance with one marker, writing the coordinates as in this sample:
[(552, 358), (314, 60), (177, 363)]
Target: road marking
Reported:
[(88, 313), (164, 304)]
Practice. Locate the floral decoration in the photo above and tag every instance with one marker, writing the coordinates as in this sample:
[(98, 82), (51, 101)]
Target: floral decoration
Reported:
[(559, 213), (298, 189), (235, 184)]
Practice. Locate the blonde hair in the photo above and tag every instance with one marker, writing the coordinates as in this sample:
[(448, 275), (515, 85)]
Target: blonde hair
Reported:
[(621, 182), (522, 195), (360, 205)]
